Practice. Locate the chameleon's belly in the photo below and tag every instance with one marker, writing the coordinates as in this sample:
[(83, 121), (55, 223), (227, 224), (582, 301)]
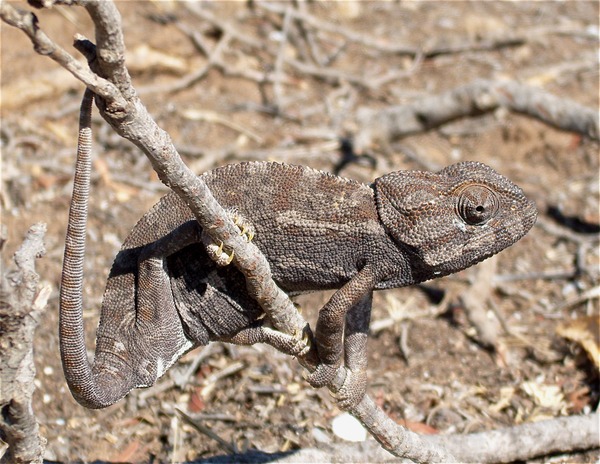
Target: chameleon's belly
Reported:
[(308, 262)]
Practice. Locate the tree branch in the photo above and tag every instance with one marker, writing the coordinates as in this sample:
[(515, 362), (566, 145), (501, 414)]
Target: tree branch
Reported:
[(473, 99), (21, 306)]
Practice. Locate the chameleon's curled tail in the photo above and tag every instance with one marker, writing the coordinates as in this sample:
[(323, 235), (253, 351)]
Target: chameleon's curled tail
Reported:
[(78, 371)]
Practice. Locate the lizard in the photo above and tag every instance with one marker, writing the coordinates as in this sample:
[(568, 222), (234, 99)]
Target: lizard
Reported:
[(165, 294)]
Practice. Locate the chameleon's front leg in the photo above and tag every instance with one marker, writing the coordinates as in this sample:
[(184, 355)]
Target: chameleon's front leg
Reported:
[(354, 300), (355, 353)]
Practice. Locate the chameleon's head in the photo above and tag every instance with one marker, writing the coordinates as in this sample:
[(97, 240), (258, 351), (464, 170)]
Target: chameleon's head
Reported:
[(454, 218)]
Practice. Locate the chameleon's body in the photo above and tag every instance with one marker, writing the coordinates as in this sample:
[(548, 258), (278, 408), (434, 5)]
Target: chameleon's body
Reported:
[(165, 295)]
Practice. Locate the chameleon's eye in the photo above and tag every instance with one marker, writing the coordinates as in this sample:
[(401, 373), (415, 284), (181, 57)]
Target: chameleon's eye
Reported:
[(477, 204)]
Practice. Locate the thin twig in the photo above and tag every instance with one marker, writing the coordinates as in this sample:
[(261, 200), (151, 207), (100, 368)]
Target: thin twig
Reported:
[(390, 46), (224, 444)]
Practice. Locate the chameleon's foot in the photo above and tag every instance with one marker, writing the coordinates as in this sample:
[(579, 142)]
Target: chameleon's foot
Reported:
[(322, 375), (287, 344), (353, 389), (258, 333), (216, 253)]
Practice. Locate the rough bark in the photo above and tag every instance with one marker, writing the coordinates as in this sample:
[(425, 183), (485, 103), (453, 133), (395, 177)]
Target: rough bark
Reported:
[(21, 306)]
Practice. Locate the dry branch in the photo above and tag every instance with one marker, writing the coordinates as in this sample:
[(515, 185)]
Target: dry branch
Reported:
[(21, 306), (521, 442), (474, 99), (505, 445)]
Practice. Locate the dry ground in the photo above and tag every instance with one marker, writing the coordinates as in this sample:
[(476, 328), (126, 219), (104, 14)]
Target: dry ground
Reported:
[(426, 365)]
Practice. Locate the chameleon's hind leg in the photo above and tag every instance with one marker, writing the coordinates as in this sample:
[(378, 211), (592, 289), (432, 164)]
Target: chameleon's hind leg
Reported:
[(257, 332), (160, 338), (186, 234), (216, 253)]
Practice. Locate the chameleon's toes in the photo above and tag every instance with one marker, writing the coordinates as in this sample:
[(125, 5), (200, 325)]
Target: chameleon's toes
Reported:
[(216, 252), (352, 390), (288, 344), (246, 229), (292, 345), (305, 343), (302, 347), (322, 375), (248, 233)]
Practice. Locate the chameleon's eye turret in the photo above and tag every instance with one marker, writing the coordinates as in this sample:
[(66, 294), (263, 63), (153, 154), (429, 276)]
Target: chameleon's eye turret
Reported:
[(477, 204)]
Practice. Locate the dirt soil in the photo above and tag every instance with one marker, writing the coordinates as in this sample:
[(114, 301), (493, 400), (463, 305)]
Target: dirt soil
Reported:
[(427, 364)]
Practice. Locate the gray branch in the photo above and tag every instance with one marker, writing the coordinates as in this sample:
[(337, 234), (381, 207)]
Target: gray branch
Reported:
[(473, 99), (21, 307), (512, 444)]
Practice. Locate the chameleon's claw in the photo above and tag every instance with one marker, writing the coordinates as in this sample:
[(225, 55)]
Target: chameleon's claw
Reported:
[(216, 253), (246, 232), (306, 339), (245, 227)]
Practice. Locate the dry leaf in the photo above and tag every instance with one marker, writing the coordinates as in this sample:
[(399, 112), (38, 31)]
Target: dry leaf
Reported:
[(585, 331), (545, 396), (506, 395), (128, 453)]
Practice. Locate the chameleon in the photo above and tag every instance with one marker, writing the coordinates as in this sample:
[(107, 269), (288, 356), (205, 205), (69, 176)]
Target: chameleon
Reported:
[(165, 295)]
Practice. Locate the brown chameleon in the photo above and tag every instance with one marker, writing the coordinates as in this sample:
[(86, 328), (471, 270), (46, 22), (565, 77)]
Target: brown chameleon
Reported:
[(165, 295)]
